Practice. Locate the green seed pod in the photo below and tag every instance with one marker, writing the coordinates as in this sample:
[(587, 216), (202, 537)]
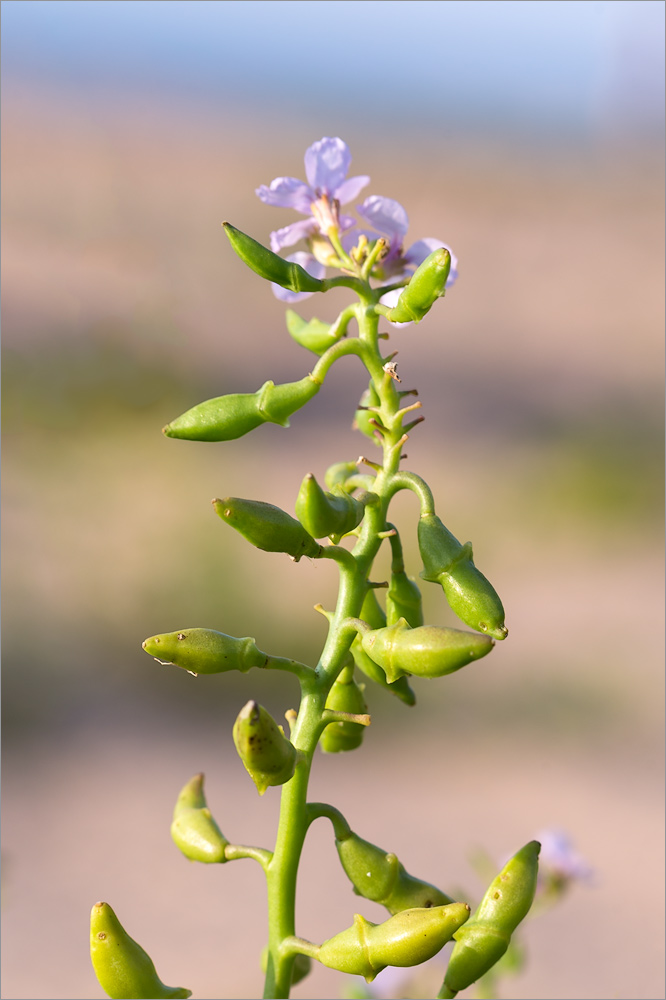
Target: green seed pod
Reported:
[(339, 473), (344, 696), (124, 970), (403, 600), (221, 419), (204, 651), (276, 403), (323, 513), (372, 613), (428, 651), (267, 527), (425, 287), (486, 937), (363, 415), (468, 592), (193, 830), (314, 335), (379, 876), (269, 265), (300, 969), (409, 938), (269, 757)]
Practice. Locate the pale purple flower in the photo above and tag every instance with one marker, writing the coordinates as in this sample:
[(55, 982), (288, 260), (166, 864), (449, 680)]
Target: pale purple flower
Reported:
[(558, 859), (309, 264), (326, 165)]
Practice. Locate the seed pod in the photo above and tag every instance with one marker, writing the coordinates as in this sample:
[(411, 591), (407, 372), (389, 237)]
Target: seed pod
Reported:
[(339, 473), (487, 935), (409, 938), (269, 265), (428, 651), (204, 651), (425, 287), (269, 757), (469, 594), (300, 969), (323, 513), (193, 830), (314, 335), (267, 527), (379, 876), (344, 696), (276, 403), (403, 600), (363, 415), (124, 970), (372, 613)]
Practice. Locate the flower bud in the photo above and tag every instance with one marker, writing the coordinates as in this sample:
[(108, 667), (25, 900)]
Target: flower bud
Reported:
[(204, 651), (323, 513), (314, 335), (193, 830), (267, 527), (372, 613), (427, 651), (124, 970), (487, 935), (425, 287), (269, 757), (403, 600), (345, 696), (468, 592), (269, 265), (409, 938), (379, 876)]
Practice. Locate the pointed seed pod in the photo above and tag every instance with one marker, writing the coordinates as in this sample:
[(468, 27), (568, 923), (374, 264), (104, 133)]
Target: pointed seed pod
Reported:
[(467, 591), (372, 613), (409, 938), (269, 757), (425, 287), (403, 600), (339, 473), (487, 935), (269, 528), (427, 651), (314, 335), (193, 830), (269, 265), (379, 876), (363, 415), (204, 651), (276, 403), (345, 696), (124, 970), (322, 513)]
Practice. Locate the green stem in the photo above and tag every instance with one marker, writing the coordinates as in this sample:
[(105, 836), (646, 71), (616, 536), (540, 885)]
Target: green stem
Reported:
[(232, 852)]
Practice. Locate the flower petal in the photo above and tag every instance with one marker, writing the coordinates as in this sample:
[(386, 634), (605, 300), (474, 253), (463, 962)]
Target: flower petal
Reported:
[(287, 192), (386, 216), (312, 266), (351, 188), (291, 234), (326, 165), (418, 252)]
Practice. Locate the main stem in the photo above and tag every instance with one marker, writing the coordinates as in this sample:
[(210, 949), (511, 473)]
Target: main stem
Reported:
[(293, 824)]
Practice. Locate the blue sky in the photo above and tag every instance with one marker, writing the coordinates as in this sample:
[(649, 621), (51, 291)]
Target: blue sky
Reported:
[(537, 65)]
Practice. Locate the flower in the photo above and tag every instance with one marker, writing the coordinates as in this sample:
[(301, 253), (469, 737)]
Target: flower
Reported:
[(559, 863), (326, 165)]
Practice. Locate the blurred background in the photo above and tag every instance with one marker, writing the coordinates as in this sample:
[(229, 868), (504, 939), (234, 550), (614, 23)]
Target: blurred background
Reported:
[(528, 136)]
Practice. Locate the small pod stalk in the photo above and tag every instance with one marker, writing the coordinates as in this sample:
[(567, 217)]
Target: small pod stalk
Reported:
[(205, 651), (124, 970), (269, 757), (193, 830), (268, 527), (487, 935)]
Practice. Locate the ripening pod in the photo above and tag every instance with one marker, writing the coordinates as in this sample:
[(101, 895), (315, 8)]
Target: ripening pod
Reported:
[(469, 594), (427, 651), (403, 600), (379, 876), (345, 696), (409, 938), (193, 830), (124, 970), (276, 403), (269, 757), (313, 335), (322, 513), (372, 613), (425, 287), (204, 651), (269, 265), (363, 415), (268, 527), (486, 937)]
